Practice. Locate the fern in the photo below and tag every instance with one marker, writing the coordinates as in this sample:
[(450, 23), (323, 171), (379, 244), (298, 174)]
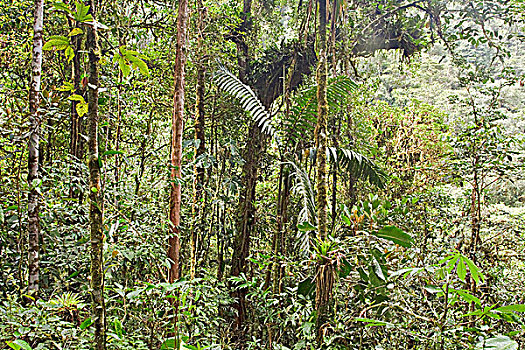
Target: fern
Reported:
[(249, 100)]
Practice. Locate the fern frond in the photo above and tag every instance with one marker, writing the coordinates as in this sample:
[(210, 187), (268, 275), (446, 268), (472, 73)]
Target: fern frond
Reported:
[(247, 97)]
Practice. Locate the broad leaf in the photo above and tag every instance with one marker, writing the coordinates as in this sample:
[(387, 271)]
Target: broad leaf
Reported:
[(56, 42), (395, 235), (18, 345), (75, 31), (498, 343), (305, 287)]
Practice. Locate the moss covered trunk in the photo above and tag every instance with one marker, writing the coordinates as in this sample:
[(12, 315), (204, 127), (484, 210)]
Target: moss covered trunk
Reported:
[(324, 279), (96, 198)]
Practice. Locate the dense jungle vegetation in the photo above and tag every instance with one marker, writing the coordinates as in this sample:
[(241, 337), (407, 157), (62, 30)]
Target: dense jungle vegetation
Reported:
[(262, 174)]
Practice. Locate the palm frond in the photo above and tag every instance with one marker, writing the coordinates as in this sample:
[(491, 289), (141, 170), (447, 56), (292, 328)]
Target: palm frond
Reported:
[(247, 97), (360, 166), (303, 116), (303, 186)]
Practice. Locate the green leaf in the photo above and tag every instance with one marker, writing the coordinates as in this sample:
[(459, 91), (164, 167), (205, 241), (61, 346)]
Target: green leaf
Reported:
[(56, 42), (498, 343), (510, 308), (82, 108), (124, 66), (474, 271), (169, 344), (467, 296), (70, 53), (66, 87), (109, 153), (395, 235), (344, 269), (87, 322), (19, 344), (76, 98), (305, 287), (81, 14), (461, 269), (137, 62), (118, 327), (75, 31), (306, 226), (370, 322), (60, 6)]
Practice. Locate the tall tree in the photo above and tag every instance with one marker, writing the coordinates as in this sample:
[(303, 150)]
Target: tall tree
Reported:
[(34, 148), (200, 139), (96, 206), (176, 142), (76, 144), (324, 273)]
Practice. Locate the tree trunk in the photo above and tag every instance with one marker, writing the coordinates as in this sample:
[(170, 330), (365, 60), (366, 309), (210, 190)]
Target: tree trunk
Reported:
[(324, 279), (96, 198), (76, 144), (176, 142), (246, 215), (34, 148), (246, 208), (200, 139)]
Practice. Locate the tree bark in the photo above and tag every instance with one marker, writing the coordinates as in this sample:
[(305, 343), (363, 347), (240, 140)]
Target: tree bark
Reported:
[(324, 279), (34, 148), (200, 138), (76, 144), (246, 208), (176, 142), (96, 207), (246, 215)]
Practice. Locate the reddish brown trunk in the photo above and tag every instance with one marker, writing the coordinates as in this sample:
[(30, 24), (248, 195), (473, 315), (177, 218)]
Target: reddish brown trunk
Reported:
[(176, 142)]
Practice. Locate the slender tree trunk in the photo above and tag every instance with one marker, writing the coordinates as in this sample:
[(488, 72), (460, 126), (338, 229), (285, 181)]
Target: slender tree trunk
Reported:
[(200, 139), (34, 148), (324, 279), (76, 144), (176, 142), (321, 128), (96, 207)]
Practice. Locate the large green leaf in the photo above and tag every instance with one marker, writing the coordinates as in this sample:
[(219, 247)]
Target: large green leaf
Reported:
[(56, 42), (395, 235), (511, 308), (305, 287), (498, 343), (18, 344)]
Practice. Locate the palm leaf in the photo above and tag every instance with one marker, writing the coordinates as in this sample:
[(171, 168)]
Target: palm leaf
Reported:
[(303, 117), (361, 167), (247, 97), (303, 186)]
